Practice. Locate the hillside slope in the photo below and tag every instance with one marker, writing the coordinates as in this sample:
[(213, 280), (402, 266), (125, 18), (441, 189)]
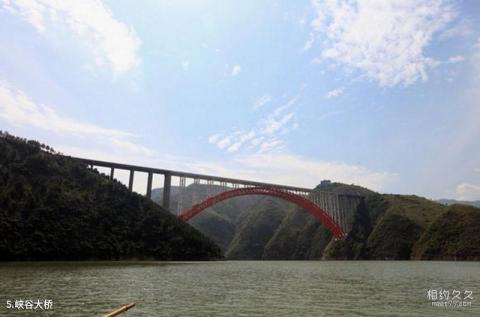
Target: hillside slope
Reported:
[(454, 235), (386, 227), (54, 208)]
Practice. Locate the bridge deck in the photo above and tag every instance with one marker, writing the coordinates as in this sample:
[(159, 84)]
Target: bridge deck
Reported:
[(335, 210), (145, 169)]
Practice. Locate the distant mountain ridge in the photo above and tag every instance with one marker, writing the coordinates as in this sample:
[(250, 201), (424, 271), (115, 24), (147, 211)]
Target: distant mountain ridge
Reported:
[(474, 203)]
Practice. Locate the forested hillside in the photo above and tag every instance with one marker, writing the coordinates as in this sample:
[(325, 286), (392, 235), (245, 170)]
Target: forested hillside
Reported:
[(54, 208), (386, 227)]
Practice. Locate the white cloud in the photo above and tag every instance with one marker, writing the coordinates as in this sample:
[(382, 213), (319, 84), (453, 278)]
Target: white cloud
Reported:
[(467, 191), (275, 123), (233, 142), (462, 28), (234, 147), (265, 136), (20, 110), (131, 147), (224, 142), (334, 93), (289, 128), (385, 40), (283, 168), (292, 169), (309, 43), (236, 70), (111, 42), (261, 101), (186, 65), (214, 138), (271, 145), (257, 141), (247, 136), (456, 59), (284, 107)]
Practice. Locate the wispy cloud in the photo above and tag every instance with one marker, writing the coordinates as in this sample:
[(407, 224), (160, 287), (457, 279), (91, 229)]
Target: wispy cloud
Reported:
[(186, 65), (224, 142), (269, 145), (456, 59), (130, 146), (261, 101), (236, 70), (334, 93), (265, 136), (214, 138), (241, 138), (309, 43), (468, 191), (463, 27), (20, 110), (275, 122), (385, 40), (112, 43), (286, 168)]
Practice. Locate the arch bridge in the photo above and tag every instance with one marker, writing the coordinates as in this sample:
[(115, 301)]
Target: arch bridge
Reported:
[(188, 194)]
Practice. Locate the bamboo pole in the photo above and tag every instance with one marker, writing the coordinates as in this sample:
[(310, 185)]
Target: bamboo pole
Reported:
[(122, 309)]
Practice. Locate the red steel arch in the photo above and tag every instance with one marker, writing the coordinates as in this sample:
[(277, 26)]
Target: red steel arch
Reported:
[(306, 204)]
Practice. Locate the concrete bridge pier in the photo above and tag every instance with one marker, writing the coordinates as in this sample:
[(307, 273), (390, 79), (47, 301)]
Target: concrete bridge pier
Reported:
[(130, 180), (167, 183), (149, 185)]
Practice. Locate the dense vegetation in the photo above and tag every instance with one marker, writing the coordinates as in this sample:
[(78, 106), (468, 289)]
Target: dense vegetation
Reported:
[(454, 235), (54, 208), (386, 227)]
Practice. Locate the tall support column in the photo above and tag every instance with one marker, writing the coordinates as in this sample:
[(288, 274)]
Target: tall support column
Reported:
[(167, 183), (180, 197), (149, 185), (130, 180), (336, 203), (112, 171)]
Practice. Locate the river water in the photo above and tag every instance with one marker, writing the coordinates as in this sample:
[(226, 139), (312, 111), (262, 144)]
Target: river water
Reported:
[(242, 288)]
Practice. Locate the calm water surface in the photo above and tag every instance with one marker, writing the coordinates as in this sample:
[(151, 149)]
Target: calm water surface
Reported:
[(239, 288)]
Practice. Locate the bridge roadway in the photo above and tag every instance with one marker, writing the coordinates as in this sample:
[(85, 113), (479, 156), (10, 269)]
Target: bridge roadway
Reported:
[(167, 183), (334, 210)]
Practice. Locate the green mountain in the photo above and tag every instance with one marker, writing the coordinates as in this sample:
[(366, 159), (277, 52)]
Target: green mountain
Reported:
[(218, 222), (386, 227), (54, 208), (396, 227), (454, 235)]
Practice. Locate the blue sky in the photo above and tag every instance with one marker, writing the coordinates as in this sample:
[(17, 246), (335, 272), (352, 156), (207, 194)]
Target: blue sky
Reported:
[(384, 94)]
